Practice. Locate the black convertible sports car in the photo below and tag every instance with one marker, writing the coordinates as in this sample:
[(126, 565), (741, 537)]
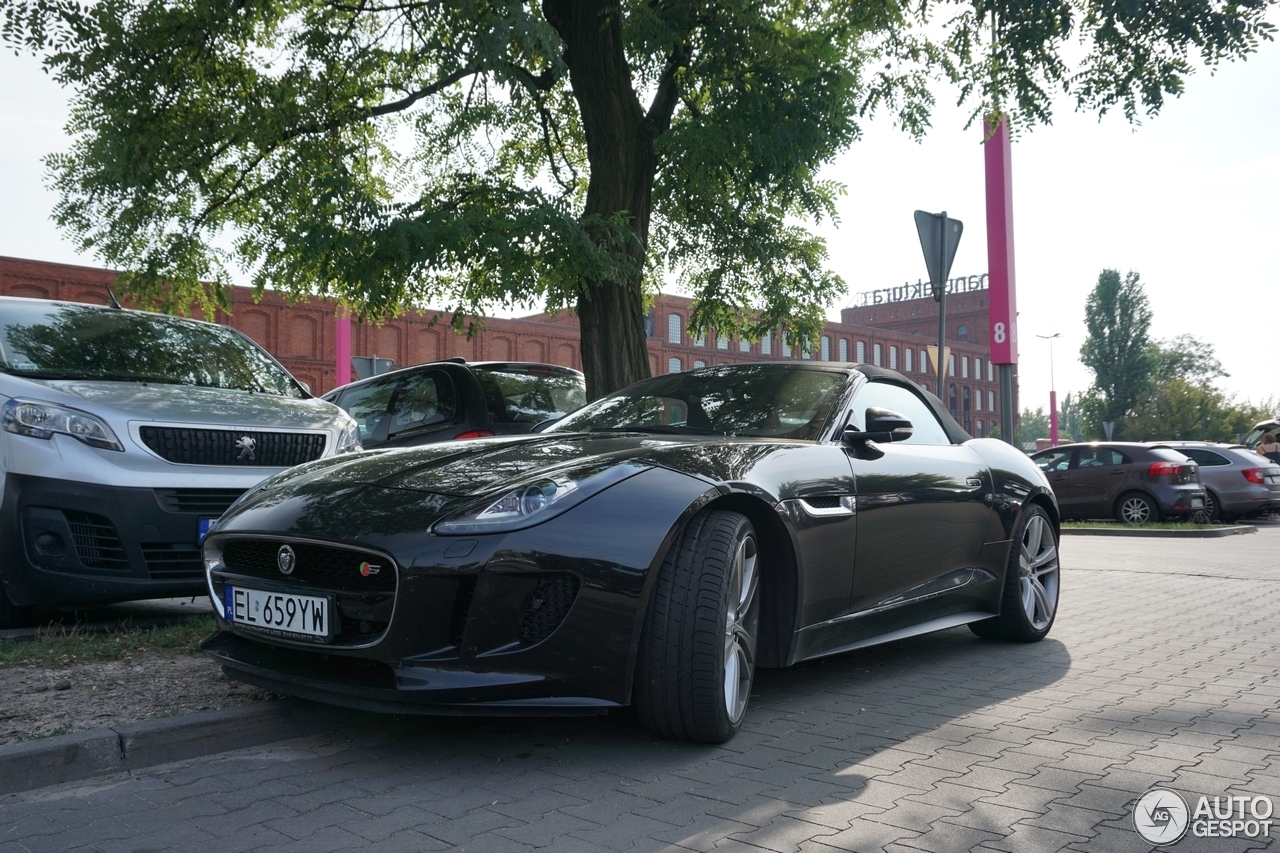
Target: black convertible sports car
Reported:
[(652, 548)]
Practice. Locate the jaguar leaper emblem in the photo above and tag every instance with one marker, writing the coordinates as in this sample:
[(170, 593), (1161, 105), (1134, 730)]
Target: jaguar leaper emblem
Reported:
[(286, 560), (245, 445)]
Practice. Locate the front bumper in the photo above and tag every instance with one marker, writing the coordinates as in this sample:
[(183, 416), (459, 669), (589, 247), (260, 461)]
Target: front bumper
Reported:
[(84, 543)]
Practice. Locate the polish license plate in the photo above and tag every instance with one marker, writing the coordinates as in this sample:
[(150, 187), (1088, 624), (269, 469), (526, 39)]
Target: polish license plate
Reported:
[(205, 524), (280, 613), (1197, 503)]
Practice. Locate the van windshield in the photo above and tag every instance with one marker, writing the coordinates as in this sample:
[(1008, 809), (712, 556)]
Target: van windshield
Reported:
[(57, 340)]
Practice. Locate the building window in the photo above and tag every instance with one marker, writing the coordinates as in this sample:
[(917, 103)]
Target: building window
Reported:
[(825, 352), (674, 323), (674, 365), (991, 401), (977, 401), (978, 425), (862, 352), (722, 341), (766, 344), (977, 368), (893, 358), (700, 340), (806, 352), (967, 422), (963, 331), (844, 350), (964, 367), (875, 354), (786, 348), (744, 346), (907, 356), (951, 366), (699, 363), (990, 370)]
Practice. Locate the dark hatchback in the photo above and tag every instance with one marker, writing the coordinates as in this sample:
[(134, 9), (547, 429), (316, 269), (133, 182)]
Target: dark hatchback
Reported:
[(1131, 482), (450, 400)]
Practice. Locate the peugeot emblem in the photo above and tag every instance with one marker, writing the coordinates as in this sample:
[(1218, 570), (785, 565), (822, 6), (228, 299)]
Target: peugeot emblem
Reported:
[(286, 560), (245, 445)]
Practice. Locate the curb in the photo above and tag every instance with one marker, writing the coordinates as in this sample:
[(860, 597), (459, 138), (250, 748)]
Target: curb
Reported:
[(132, 746), (1214, 533)]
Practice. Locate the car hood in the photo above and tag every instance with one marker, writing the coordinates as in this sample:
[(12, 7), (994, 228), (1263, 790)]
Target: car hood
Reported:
[(183, 403)]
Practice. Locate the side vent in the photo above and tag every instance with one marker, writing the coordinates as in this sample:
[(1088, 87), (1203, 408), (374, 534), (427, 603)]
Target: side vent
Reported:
[(461, 607), (97, 543), (549, 604)]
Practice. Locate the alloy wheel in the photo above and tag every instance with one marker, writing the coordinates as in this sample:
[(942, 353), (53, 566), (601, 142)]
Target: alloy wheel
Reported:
[(1135, 510), (1038, 572), (740, 617)]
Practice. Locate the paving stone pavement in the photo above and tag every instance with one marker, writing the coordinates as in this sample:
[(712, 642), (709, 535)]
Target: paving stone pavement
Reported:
[(1161, 670)]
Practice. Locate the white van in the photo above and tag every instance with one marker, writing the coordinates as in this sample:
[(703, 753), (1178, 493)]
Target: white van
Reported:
[(125, 435)]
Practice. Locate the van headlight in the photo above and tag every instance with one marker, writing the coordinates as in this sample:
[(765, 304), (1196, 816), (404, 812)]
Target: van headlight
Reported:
[(42, 420), (536, 500), (348, 439)]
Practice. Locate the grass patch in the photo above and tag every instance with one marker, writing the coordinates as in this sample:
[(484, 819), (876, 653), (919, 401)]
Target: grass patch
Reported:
[(1146, 525), (62, 646)]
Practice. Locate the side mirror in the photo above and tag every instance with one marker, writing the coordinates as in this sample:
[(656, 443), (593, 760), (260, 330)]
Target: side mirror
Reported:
[(882, 425)]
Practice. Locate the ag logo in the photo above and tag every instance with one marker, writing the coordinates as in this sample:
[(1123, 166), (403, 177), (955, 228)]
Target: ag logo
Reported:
[(286, 560), (1160, 816)]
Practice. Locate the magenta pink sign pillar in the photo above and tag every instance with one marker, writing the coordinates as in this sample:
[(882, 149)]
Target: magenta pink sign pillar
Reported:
[(341, 348), (1002, 303)]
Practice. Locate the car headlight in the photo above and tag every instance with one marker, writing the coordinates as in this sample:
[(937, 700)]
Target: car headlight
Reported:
[(42, 420), (349, 439), (537, 500)]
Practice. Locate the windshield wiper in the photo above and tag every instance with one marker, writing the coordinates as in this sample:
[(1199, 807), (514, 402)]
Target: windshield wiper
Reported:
[(662, 429)]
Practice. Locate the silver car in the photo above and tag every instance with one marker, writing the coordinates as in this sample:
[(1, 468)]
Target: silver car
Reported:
[(1236, 480), (123, 436)]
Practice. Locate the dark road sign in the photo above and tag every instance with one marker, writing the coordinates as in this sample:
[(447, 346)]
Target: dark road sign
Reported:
[(938, 252)]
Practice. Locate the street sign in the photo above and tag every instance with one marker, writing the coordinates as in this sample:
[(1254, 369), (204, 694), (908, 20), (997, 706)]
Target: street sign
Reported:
[(365, 366), (939, 237), (933, 357)]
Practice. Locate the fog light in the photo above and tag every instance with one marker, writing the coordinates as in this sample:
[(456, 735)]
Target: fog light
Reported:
[(49, 543)]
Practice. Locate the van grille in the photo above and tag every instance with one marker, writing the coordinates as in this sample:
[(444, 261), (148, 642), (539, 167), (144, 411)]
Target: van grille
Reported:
[(186, 446), (97, 543), (172, 561), (204, 501)]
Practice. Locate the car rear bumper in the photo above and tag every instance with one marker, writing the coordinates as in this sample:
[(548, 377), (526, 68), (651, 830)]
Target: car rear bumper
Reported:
[(83, 543), (1180, 501)]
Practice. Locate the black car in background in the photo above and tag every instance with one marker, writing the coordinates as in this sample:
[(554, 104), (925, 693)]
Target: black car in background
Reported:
[(652, 548), (448, 400), (1130, 482)]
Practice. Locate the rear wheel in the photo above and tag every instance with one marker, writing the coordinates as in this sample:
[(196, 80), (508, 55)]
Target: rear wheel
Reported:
[(1030, 599), (697, 653), (1136, 508)]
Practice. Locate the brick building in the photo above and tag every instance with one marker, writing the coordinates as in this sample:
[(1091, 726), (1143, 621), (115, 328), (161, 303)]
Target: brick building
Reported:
[(892, 334)]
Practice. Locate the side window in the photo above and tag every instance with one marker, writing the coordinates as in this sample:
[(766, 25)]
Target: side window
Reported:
[(1057, 460), (1100, 457), (1205, 457), (426, 399), (368, 403), (926, 429)]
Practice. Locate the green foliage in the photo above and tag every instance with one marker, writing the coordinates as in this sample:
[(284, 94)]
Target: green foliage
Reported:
[(1032, 425), (1071, 419), (463, 154), (1179, 409), (1118, 320), (1184, 357)]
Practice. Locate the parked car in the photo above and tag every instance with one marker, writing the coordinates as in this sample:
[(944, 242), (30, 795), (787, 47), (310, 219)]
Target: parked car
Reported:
[(1129, 481), (649, 549), (125, 434), (1236, 480), (1259, 430), (448, 400)]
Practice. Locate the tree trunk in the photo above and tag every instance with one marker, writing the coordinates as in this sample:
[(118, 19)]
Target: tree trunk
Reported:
[(620, 150)]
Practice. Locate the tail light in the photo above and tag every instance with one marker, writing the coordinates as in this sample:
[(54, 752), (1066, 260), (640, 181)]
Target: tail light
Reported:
[(1254, 475), (475, 433), (1158, 468)]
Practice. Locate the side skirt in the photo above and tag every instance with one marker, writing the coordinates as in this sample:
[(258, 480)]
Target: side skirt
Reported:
[(938, 624)]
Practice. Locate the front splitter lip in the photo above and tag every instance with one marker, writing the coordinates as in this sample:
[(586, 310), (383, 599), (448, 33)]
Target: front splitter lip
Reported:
[(432, 698)]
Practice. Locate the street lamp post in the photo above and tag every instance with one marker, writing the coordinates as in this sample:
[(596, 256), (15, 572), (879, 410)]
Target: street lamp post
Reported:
[(1053, 394)]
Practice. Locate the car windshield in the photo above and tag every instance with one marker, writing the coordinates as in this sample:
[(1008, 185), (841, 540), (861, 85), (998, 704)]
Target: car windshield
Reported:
[(746, 400), (529, 393), (63, 341)]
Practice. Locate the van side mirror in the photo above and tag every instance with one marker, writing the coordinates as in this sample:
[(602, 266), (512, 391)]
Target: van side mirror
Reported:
[(882, 425)]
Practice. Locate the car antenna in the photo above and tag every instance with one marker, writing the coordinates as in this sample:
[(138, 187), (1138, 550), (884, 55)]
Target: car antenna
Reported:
[(114, 302)]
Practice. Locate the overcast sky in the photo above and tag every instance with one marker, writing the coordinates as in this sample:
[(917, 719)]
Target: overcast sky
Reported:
[(1190, 199)]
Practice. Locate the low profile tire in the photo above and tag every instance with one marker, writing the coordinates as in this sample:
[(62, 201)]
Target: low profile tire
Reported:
[(1136, 508), (11, 615), (697, 652), (1212, 509), (1029, 603)]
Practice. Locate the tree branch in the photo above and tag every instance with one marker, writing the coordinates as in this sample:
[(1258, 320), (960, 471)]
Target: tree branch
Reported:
[(668, 94)]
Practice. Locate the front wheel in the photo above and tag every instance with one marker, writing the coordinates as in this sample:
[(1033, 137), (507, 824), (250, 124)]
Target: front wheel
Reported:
[(1029, 602), (697, 653)]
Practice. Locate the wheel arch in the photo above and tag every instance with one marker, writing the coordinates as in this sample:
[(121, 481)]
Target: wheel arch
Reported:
[(779, 576)]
